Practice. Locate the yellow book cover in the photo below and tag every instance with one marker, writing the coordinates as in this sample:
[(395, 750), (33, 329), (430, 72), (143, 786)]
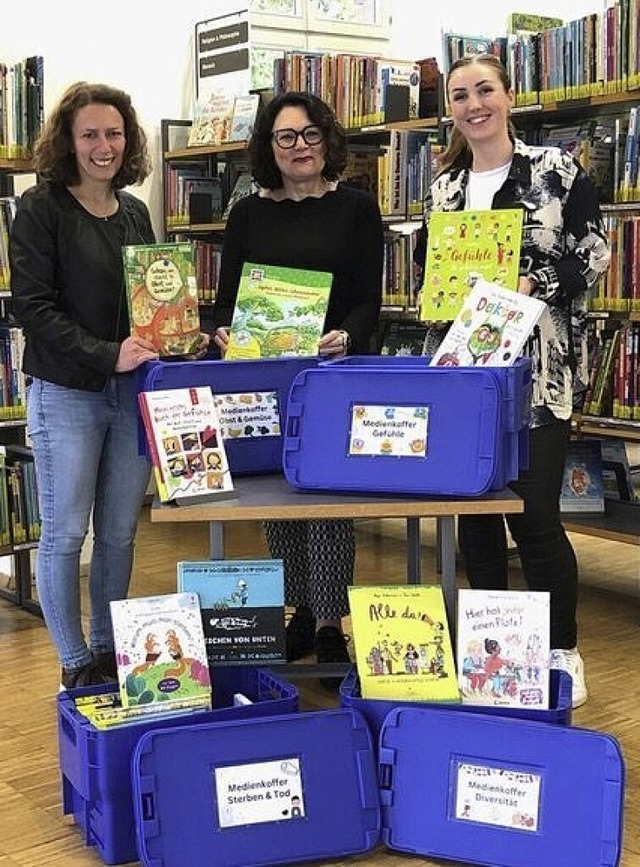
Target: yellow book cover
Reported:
[(465, 245), (402, 643)]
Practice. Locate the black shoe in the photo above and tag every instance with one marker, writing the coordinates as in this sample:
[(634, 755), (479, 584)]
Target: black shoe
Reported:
[(86, 675), (331, 646), (106, 662), (300, 634)]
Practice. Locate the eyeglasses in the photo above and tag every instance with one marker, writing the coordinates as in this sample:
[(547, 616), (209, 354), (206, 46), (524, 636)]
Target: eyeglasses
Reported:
[(288, 138)]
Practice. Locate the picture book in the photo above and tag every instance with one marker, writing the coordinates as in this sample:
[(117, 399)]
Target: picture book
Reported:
[(503, 647), (242, 605), (186, 445), (582, 480), (404, 337), (463, 246), (162, 296), (160, 650), (279, 312), (212, 120), (243, 117), (491, 329), (402, 643)]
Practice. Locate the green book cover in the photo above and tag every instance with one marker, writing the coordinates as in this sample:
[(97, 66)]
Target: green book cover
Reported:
[(463, 246), (279, 312)]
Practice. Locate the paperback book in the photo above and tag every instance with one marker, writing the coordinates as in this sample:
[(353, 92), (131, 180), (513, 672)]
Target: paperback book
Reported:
[(160, 651), (463, 246), (279, 312), (162, 296), (583, 479), (242, 605), (185, 444), (503, 647), (491, 329), (212, 120), (243, 116), (402, 643)]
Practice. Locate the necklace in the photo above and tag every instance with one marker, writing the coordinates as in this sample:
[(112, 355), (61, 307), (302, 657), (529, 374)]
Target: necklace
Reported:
[(105, 212)]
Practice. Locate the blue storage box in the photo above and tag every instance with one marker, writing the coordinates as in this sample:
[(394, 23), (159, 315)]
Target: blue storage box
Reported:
[(395, 425), (274, 791), (253, 403), (375, 710), (95, 763), (488, 790)]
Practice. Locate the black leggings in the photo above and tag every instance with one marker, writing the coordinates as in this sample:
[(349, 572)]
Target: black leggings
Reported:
[(546, 554)]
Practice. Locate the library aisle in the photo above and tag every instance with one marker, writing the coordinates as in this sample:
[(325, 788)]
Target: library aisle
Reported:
[(33, 830)]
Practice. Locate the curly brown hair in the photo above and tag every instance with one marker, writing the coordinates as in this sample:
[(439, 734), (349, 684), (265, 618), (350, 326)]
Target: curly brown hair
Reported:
[(263, 165), (54, 159)]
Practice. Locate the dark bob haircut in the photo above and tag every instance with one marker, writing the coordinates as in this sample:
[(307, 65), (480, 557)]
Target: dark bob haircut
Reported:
[(54, 159), (263, 165)]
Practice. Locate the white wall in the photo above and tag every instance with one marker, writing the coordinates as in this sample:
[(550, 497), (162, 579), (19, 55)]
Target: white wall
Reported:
[(146, 47)]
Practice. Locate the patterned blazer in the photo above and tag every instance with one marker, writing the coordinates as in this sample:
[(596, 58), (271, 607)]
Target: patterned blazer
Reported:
[(564, 250)]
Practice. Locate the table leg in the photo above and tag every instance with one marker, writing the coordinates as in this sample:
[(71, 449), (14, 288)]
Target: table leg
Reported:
[(413, 550), (447, 549)]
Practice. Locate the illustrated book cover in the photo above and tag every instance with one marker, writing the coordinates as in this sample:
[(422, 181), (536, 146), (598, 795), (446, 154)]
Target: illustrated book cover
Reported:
[(402, 643), (242, 605), (503, 647), (404, 337), (583, 479), (463, 246), (243, 116), (616, 470), (212, 121), (185, 444), (491, 329), (160, 650), (162, 296), (279, 312)]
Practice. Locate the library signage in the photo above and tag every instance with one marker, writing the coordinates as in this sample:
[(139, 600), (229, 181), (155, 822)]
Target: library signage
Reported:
[(222, 53)]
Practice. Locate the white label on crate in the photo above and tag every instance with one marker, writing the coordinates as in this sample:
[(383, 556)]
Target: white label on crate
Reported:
[(259, 792), (498, 796), (399, 431), (248, 414)]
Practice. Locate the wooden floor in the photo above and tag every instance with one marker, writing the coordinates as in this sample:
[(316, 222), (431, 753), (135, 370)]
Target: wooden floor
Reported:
[(33, 831)]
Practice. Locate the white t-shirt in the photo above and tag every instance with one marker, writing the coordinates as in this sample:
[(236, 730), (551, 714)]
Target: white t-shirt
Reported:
[(483, 186)]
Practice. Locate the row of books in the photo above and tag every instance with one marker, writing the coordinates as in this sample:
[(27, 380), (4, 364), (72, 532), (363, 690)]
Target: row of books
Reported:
[(8, 206), (21, 106), (221, 117), (19, 511), (619, 288), (13, 388), (614, 375), (194, 197)]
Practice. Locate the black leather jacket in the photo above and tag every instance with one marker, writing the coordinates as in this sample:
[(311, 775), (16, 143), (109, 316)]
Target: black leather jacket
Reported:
[(67, 283)]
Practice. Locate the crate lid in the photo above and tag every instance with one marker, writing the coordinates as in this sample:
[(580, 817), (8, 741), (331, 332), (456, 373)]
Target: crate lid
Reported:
[(491, 790), (256, 792)]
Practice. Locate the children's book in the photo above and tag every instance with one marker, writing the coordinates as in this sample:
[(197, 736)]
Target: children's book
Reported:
[(463, 246), (404, 337), (243, 117), (162, 296), (104, 710), (212, 120), (186, 445), (242, 604), (491, 329), (503, 647), (160, 650), (582, 480), (279, 312), (402, 643)]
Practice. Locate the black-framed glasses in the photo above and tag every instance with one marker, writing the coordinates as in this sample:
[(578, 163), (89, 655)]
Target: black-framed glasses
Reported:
[(288, 138)]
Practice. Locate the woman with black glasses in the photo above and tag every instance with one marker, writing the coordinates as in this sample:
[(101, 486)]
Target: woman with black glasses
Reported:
[(301, 217)]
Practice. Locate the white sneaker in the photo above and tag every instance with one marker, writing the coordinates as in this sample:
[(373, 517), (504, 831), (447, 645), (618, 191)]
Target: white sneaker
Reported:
[(571, 662)]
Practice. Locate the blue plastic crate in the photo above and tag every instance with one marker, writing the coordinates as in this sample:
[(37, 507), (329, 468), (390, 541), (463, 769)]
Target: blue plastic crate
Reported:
[(95, 763), (375, 710), (472, 441), (264, 381)]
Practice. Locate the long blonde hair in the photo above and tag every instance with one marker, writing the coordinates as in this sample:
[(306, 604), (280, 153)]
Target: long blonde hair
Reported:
[(458, 153)]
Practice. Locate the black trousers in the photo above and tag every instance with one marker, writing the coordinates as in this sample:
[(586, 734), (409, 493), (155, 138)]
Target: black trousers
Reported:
[(546, 554)]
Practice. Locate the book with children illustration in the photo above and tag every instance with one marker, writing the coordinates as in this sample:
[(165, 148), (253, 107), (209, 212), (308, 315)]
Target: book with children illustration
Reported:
[(162, 296), (185, 444), (463, 246), (491, 329), (279, 312), (402, 643), (160, 651), (583, 478), (242, 605), (503, 647)]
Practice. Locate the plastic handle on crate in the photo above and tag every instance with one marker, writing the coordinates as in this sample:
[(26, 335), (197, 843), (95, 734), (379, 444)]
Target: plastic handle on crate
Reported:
[(294, 411), (148, 810)]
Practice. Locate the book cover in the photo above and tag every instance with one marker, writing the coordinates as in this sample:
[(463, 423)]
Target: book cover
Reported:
[(503, 647), (243, 117), (530, 22), (212, 120), (582, 480), (463, 246), (616, 470), (160, 650), (402, 643), (105, 710), (404, 337), (186, 445), (491, 329), (242, 187), (242, 605), (162, 296), (279, 312)]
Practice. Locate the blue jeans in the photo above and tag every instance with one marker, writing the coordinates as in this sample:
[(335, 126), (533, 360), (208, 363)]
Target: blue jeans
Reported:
[(85, 446)]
